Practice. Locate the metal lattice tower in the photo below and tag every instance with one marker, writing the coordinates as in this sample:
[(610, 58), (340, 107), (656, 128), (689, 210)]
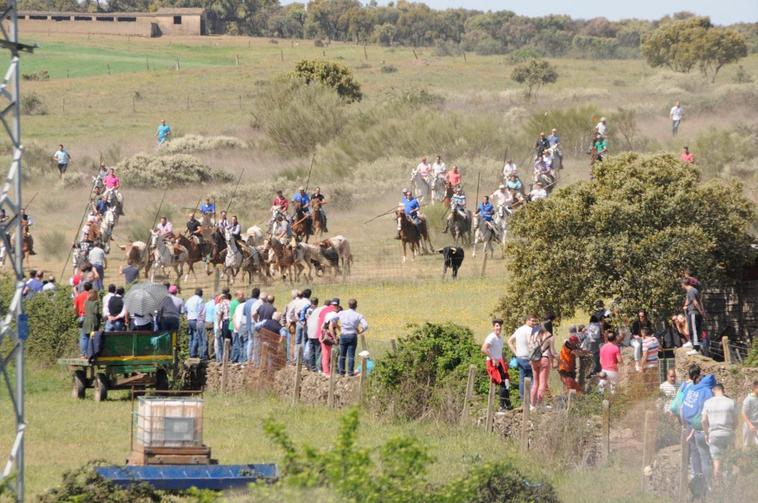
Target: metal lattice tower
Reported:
[(13, 324)]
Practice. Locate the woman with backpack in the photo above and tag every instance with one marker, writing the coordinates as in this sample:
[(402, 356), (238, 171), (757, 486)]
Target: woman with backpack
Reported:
[(542, 357)]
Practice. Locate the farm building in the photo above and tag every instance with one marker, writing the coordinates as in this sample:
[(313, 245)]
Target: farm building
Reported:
[(142, 24)]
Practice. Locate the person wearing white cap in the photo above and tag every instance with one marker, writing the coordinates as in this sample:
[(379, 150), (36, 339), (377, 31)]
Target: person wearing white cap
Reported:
[(500, 197), (602, 127)]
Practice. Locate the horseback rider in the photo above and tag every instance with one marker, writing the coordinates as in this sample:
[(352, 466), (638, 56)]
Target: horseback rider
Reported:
[(223, 223), (280, 202), (457, 205), (102, 172), (26, 224), (487, 212), (166, 232), (454, 176), (514, 183), (500, 198), (318, 196), (509, 169), (600, 146), (112, 185), (281, 228), (101, 205), (541, 144), (538, 192), (438, 168), (424, 169), (411, 210), (194, 229), (555, 143), (303, 200), (208, 209), (235, 229)]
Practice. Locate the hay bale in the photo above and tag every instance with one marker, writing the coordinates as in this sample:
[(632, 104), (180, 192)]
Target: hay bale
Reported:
[(146, 170), (197, 143)]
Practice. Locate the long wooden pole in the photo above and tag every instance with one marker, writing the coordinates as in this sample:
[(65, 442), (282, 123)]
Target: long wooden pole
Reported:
[(235, 190)]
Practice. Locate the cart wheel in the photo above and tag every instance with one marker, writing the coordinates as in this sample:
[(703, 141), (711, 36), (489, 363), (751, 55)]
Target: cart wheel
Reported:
[(101, 387), (161, 380), (80, 384)]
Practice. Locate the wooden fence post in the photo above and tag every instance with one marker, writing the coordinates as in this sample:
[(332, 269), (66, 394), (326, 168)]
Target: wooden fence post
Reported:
[(362, 382), (281, 53), (469, 391), (606, 431), (134, 104), (648, 447), (569, 400), (178, 65), (109, 68), (362, 338), (224, 365), (684, 468), (525, 420), (216, 272), (264, 359), (727, 353), (490, 408), (464, 57), (365, 53), (298, 374), (332, 377), (237, 59), (393, 343), (147, 63)]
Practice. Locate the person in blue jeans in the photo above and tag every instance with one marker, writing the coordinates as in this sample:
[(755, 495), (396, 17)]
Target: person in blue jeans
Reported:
[(352, 323), (518, 343)]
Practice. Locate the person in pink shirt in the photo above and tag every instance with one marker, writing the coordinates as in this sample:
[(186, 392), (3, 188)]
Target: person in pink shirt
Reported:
[(454, 177), (326, 349), (687, 157), (610, 357), (112, 181)]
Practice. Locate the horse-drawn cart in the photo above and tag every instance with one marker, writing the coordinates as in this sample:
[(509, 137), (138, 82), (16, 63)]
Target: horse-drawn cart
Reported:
[(126, 360)]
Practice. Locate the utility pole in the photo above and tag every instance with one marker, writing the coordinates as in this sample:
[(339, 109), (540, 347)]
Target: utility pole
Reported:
[(14, 325)]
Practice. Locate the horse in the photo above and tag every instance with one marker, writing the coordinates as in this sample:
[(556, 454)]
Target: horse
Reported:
[(502, 215), (106, 228), (281, 257), (137, 255), (254, 262), (233, 258), (341, 245), (421, 187), (460, 228), (218, 250), (194, 254), (163, 256), (253, 236), (302, 227), (114, 198), (484, 234), (319, 222), (410, 236), (439, 188)]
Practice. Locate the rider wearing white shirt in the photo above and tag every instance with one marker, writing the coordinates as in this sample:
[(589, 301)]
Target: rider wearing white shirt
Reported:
[(538, 192), (602, 127), (499, 197), (438, 168), (509, 169), (424, 168)]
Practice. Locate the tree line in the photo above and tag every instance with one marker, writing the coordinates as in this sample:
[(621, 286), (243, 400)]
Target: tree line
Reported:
[(403, 23)]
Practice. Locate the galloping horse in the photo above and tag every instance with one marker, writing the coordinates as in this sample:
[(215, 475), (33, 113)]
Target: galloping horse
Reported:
[(502, 215), (409, 235), (439, 189), (163, 256), (460, 228), (194, 254), (302, 226), (106, 228), (233, 259), (421, 187), (318, 218), (484, 234)]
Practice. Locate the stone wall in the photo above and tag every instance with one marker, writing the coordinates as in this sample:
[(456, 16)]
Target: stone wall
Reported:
[(737, 380)]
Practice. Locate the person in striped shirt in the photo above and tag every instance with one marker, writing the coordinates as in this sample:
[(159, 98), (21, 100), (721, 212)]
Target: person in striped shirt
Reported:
[(649, 359)]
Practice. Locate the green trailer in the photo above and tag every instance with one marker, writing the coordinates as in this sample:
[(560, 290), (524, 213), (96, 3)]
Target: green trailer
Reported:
[(127, 360)]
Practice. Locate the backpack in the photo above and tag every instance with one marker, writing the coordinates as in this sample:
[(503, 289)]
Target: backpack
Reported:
[(538, 352)]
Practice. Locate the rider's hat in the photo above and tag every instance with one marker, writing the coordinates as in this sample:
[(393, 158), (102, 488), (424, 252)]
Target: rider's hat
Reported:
[(501, 186), (405, 190), (301, 188)]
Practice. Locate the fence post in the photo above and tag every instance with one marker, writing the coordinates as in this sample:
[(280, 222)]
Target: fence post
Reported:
[(464, 57), (365, 53), (606, 430), (332, 377), (298, 373), (490, 408), (216, 272), (147, 62), (684, 468), (525, 420), (362, 338), (264, 359), (237, 59), (393, 343), (188, 107), (109, 68), (570, 399), (134, 104), (281, 53), (362, 382), (178, 66), (224, 365), (469, 391), (647, 448), (727, 353)]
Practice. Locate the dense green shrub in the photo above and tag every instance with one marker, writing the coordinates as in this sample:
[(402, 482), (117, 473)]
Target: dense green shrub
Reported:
[(296, 117), (393, 472), (332, 75), (429, 369), (148, 170), (534, 74)]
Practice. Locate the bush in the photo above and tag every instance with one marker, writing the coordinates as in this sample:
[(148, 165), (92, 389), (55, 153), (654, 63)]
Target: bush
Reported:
[(389, 69), (392, 472), (52, 324), (32, 104), (40, 75), (296, 117), (534, 74), (523, 54), (147, 170), (429, 361), (197, 143), (335, 76)]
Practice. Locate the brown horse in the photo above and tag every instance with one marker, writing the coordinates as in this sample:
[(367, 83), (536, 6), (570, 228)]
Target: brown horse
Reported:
[(318, 220), (302, 227), (194, 254), (409, 235)]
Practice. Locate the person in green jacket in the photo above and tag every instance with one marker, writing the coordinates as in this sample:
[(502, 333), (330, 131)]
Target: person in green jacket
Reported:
[(92, 317)]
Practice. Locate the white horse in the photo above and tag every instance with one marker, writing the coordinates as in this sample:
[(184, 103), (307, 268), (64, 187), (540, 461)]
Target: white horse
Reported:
[(483, 234), (163, 256), (421, 187), (233, 258), (439, 188), (502, 214), (254, 236), (106, 227)]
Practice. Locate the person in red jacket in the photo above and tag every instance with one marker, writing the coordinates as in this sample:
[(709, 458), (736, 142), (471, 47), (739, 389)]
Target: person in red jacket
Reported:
[(496, 368)]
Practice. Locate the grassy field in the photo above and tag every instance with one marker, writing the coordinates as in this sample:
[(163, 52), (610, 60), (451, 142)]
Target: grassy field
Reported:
[(102, 99)]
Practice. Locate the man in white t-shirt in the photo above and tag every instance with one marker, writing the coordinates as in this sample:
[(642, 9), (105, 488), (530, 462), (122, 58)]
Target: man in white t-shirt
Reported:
[(509, 169), (496, 368), (719, 420), (519, 346), (438, 168), (424, 169), (676, 115), (602, 127)]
